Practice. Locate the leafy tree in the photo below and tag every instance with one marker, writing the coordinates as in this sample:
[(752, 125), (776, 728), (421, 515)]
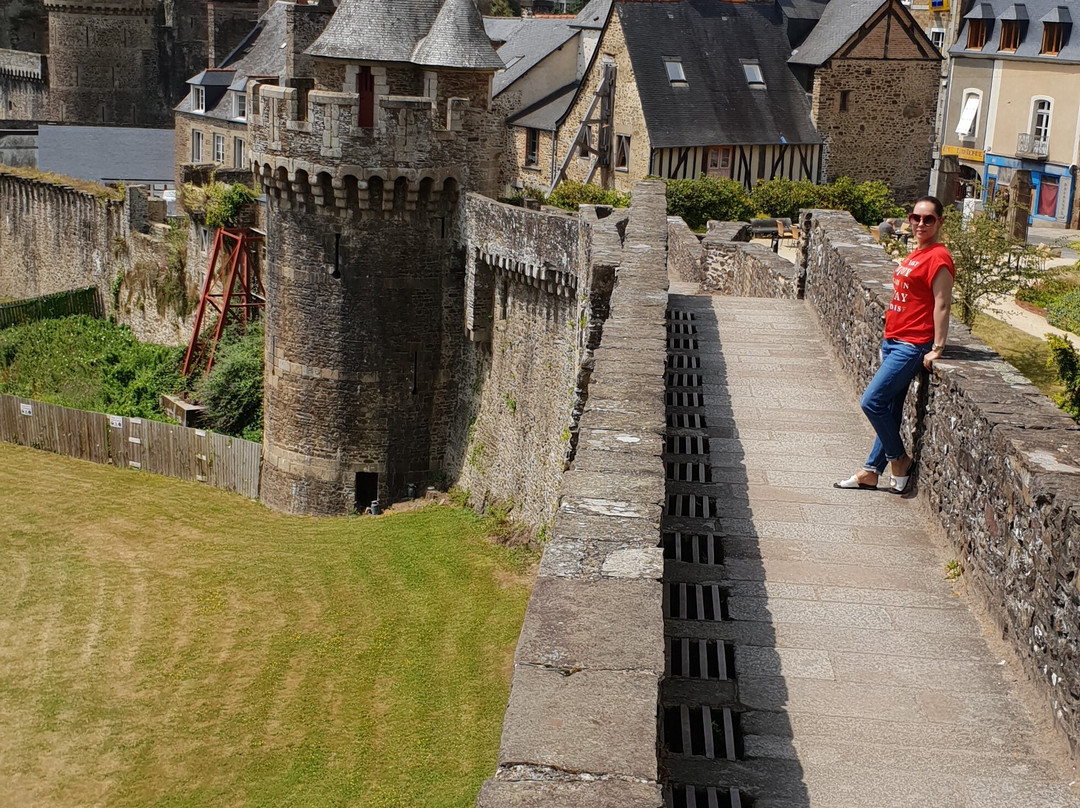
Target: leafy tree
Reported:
[(869, 202), (1065, 361), (988, 260), (783, 199), (232, 391), (501, 8)]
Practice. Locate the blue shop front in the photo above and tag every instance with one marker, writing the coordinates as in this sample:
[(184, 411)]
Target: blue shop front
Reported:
[(1052, 195)]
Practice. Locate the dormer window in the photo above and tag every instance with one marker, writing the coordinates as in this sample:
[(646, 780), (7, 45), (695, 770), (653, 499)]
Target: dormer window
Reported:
[(976, 34), (1010, 35), (754, 77), (675, 72), (1053, 38), (198, 99), (240, 105)]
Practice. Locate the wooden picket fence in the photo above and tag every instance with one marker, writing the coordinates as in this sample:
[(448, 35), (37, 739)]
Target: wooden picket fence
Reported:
[(175, 451), (61, 304)]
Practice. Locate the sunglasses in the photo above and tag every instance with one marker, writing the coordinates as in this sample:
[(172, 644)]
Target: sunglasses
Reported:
[(929, 219)]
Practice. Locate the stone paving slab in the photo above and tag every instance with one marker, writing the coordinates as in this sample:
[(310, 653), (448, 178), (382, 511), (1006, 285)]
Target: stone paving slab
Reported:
[(568, 794), (863, 677)]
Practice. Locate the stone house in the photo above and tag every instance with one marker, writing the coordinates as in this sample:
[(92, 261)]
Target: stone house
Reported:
[(546, 59), (678, 90), (1013, 108), (874, 77)]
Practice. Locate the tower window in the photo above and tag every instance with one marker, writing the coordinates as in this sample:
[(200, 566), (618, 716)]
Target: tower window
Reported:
[(622, 152)]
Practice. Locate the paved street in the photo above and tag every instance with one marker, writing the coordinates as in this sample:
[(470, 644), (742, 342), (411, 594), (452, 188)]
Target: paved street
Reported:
[(854, 673)]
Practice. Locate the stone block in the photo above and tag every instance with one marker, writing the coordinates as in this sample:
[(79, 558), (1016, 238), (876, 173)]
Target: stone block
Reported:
[(603, 624), (601, 722)]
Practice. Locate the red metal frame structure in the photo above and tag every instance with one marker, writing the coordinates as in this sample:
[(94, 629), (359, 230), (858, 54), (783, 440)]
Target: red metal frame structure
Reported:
[(241, 291)]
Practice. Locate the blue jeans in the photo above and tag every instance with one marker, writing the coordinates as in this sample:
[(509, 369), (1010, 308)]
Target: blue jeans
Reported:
[(883, 401)]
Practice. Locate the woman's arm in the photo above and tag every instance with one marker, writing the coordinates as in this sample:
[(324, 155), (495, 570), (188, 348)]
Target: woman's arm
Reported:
[(942, 289)]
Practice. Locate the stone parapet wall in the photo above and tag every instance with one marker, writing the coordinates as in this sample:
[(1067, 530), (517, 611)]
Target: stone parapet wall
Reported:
[(581, 727), (998, 463), (745, 269), (686, 256)]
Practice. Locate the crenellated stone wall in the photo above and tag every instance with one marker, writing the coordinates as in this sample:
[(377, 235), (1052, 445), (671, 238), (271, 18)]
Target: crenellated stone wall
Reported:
[(534, 307), (581, 727), (23, 86), (998, 463)]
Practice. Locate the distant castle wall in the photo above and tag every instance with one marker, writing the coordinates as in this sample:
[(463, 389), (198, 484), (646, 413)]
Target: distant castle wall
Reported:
[(23, 86), (54, 238)]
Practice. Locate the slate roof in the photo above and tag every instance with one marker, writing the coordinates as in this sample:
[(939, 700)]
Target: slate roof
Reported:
[(547, 113), (1037, 12), (260, 54), (839, 20), (108, 153), (444, 33), (717, 106)]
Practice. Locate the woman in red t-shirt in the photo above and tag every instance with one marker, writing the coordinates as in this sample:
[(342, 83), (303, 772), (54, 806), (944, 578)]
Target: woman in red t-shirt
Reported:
[(916, 327)]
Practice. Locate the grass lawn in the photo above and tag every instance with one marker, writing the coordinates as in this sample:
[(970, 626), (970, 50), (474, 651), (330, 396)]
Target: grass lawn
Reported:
[(1026, 353), (167, 644)]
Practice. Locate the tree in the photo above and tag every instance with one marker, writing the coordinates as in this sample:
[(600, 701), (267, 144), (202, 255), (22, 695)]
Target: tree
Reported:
[(1065, 362), (501, 8), (988, 261)]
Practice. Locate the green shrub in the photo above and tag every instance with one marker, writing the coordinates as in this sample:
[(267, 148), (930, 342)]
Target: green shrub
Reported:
[(698, 201), (569, 195), (232, 391), (225, 202), (869, 202), (1065, 362), (1043, 293), (87, 364), (783, 199), (1064, 311)]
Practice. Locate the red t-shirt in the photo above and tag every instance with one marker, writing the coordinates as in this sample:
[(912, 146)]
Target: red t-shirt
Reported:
[(911, 313)]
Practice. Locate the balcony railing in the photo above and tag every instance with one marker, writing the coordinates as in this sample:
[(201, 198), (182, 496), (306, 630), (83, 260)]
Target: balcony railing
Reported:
[(1031, 146)]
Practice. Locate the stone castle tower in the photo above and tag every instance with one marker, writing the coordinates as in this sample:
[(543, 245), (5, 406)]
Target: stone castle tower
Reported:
[(123, 61), (364, 154)]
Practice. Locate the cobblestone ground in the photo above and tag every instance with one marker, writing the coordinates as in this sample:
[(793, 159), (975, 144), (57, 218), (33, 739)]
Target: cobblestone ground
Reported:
[(818, 654)]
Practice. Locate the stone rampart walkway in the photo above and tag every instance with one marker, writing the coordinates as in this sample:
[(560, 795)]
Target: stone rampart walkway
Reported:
[(853, 672)]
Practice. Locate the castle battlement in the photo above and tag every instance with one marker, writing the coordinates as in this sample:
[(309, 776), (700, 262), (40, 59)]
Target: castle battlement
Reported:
[(22, 65), (309, 147)]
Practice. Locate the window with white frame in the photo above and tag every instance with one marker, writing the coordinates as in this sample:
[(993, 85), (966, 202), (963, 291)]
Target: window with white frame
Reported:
[(1040, 121), (239, 155), (937, 36), (969, 114), (196, 146), (219, 148), (754, 77), (240, 105), (198, 99)]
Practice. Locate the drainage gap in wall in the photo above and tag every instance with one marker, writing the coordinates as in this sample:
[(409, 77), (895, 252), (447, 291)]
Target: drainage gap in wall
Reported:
[(693, 548), (683, 796), (693, 658), (702, 730), (695, 602)]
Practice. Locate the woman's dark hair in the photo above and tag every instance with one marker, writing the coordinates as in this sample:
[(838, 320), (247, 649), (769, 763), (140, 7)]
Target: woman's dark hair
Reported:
[(939, 209)]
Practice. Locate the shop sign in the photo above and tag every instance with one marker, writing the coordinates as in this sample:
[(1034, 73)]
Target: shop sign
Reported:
[(964, 153)]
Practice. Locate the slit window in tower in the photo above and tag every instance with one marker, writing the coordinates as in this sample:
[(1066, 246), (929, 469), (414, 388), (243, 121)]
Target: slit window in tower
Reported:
[(365, 88), (415, 368)]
